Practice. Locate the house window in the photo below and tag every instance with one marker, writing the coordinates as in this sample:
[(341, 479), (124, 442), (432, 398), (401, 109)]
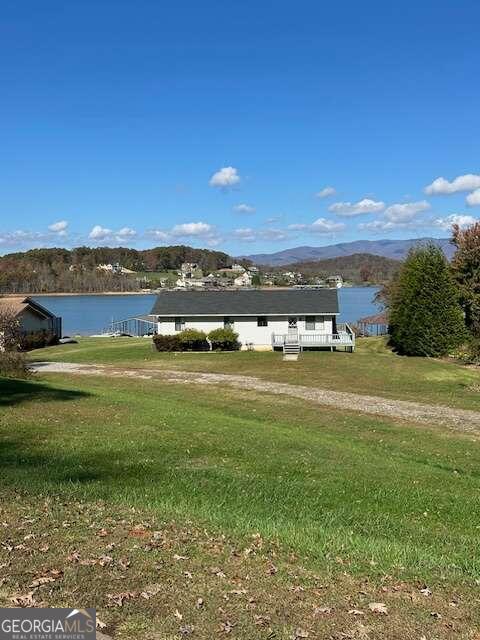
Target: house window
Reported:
[(262, 321), (228, 322), (179, 324), (310, 323)]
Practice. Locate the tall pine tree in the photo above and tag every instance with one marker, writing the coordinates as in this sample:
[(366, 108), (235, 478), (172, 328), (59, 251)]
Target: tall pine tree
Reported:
[(425, 316)]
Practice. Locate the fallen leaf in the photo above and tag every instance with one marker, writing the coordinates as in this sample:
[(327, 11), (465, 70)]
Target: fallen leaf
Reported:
[(322, 611), (177, 557), (187, 630), (378, 607), (26, 600), (299, 633), (120, 598), (177, 614), (150, 591), (356, 612), (425, 591)]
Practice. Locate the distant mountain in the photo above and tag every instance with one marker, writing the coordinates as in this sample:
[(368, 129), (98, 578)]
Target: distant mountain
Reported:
[(395, 249)]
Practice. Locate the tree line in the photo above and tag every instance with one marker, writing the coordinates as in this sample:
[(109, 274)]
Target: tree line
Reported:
[(59, 270)]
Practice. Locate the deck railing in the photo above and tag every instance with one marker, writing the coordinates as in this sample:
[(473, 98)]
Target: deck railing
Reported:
[(343, 337)]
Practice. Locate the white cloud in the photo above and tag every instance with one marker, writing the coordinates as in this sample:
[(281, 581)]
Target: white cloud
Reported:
[(356, 208), (225, 178), (201, 230), (400, 213), (247, 234), (441, 186), (321, 225), (244, 208), (460, 219), (189, 229), (399, 216), (326, 192), (59, 227), (125, 233), (473, 199), (99, 233), (158, 234)]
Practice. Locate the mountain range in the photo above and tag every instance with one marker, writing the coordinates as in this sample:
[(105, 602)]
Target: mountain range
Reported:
[(395, 249)]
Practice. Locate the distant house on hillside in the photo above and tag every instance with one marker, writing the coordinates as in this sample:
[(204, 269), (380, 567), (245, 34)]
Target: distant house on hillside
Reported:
[(264, 319), (115, 268), (335, 281), (32, 316), (245, 280)]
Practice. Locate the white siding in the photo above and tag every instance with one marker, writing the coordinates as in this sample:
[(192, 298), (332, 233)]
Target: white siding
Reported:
[(246, 327)]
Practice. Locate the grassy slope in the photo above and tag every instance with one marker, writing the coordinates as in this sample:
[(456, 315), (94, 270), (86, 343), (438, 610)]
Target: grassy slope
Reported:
[(372, 369), (403, 497), (268, 509)]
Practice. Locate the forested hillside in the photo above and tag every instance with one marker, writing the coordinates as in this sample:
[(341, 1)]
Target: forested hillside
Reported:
[(357, 268), (75, 270)]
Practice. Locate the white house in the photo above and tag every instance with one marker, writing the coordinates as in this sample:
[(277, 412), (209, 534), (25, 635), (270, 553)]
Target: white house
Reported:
[(264, 319), (245, 280)]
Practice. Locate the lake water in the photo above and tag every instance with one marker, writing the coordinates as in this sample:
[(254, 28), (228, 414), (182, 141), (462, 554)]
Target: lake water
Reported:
[(86, 314)]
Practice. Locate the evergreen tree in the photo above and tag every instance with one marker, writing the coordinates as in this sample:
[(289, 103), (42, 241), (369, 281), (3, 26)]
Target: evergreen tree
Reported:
[(425, 316), (466, 270)]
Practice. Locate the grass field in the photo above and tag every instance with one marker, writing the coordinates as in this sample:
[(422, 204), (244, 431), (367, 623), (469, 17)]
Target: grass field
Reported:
[(372, 369), (192, 512)]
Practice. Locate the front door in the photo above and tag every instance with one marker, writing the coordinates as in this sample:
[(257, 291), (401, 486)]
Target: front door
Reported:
[(292, 326)]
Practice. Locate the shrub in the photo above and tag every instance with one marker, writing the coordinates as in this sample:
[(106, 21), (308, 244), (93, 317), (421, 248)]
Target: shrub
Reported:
[(13, 365), (166, 343), (425, 315), (224, 339), (193, 340), (38, 340)]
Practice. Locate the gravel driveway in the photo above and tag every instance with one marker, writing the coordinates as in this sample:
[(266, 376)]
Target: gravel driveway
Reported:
[(460, 419)]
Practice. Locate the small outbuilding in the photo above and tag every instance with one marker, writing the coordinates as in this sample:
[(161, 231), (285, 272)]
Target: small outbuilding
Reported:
[(32, 316)]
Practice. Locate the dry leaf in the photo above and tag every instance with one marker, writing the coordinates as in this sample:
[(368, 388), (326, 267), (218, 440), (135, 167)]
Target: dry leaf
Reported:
[(120, 598), (26, 600), (425, 591), (356, 612), (299, 633), (378, 607), (150, 591), (322, 611), (177, 614)]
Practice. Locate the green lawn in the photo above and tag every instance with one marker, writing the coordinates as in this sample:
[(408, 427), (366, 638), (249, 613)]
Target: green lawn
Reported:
[(243, 500), (372, 369)]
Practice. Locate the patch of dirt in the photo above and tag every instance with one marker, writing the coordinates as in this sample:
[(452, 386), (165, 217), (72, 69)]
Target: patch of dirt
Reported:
[(459, 419)]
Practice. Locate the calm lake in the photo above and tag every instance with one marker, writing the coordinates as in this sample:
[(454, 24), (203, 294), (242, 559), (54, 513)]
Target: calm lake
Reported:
[(86, 315)]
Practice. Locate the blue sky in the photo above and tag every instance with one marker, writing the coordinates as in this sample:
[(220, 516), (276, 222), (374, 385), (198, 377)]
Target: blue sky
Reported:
[(144, 123)]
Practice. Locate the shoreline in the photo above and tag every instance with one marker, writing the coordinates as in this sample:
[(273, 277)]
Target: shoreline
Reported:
[(152, 292), (98, 293)]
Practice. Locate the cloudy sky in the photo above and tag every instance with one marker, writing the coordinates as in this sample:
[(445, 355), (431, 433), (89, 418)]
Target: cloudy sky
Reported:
[(248, 126)]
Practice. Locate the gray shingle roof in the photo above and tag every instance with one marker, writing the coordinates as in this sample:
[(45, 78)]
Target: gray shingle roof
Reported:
[(256, 302)]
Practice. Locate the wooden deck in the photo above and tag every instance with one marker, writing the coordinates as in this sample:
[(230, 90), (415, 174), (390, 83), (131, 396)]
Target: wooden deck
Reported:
[(291, 342)]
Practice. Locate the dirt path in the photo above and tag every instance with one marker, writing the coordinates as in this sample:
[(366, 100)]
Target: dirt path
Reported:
[(460, 419)]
